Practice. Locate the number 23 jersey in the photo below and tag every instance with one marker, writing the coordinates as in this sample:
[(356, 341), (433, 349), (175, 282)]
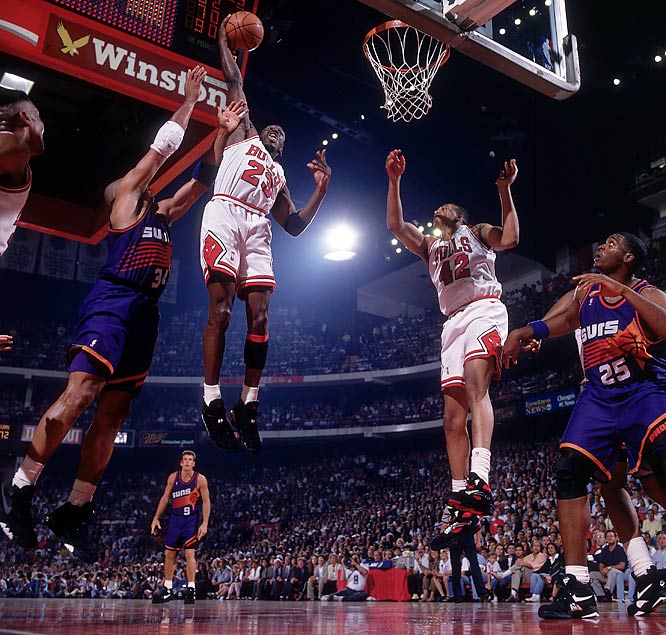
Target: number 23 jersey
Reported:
[(617, 352), (249, 176), (462, 270)]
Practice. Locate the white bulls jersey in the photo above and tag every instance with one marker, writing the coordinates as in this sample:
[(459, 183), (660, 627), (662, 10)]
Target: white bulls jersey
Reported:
[(248, 176), (462, 270), (12, 200)]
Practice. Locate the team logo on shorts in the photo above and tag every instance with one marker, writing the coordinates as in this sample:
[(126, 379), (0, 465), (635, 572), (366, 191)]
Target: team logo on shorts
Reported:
[(214, 250)]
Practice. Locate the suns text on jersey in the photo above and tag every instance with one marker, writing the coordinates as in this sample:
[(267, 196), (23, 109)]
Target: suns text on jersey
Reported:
[(181, 492), (600, 329)]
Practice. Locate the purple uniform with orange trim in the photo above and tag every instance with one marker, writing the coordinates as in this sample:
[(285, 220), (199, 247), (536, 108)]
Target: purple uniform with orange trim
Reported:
[(185, 507), (117, 322), (624, 400)]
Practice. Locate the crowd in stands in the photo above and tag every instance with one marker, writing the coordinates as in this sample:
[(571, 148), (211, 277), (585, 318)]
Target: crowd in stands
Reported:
[(333, 508)]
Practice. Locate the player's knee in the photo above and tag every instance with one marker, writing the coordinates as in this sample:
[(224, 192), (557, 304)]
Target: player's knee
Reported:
[(573, 472), (259, 322), (454, 422), (220, 315), (80, 395)]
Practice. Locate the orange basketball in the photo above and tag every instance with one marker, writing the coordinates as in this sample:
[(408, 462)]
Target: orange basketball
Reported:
[(244, 31)]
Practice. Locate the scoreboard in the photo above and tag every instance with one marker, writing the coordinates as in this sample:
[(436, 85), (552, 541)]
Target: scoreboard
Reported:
[(187, 27)]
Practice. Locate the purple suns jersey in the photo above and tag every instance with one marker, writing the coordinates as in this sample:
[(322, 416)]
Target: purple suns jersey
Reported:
[(140, 256), (185, 496), (617, 352)]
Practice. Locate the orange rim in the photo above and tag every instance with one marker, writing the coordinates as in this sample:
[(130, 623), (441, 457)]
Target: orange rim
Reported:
[(399, 24)]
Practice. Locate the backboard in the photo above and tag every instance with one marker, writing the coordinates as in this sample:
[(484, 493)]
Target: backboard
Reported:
[(528, 41)]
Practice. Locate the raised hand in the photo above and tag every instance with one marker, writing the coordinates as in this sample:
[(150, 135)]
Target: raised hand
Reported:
[(607, 286), (230, 118), (395, 164), (508, 174), (321, 171), (195, 77), (6, 343)]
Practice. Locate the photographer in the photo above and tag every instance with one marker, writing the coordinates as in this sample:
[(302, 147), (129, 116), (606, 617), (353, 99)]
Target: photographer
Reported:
[(357, 575)]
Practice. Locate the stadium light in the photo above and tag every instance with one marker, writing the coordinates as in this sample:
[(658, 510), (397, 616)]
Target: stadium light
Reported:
[(394, 241), (517, 21), (340, 243), (616, 82), (324, 142), (658, 58), (548, 2), (398, 250), (533, 11), (502, 31), (437, 232), (335, 135)]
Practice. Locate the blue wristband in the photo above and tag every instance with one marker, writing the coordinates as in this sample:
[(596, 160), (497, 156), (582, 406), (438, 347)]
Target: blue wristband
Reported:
[(540, 328)]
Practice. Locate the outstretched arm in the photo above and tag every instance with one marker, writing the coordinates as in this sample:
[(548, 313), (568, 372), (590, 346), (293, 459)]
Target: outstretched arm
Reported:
[(506, 236), (162, 505), (406, 233), (284, 211), (173, 208), (133, 185), (234, 79)]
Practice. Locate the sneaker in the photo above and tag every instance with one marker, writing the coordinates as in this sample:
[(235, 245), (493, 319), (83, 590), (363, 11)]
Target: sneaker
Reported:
[(214, 417), (189, 595), (16, 514), (533, 598), (575, 601), (325, 598), (462, 524), (70, 522), (162, 596), (244, 416), (650, 593), (476, 498)]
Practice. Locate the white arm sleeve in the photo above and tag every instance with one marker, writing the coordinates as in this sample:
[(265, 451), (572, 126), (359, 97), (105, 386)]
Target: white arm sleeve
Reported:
[(168, 139)]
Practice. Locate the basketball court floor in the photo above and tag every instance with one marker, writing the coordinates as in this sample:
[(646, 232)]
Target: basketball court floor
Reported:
[(120, 617)]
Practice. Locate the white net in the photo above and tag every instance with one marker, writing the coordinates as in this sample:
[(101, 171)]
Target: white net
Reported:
[(406, 61)]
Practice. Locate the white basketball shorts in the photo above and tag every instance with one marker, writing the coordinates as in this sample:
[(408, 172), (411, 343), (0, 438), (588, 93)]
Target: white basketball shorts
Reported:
[(475, 332), (236, 242)]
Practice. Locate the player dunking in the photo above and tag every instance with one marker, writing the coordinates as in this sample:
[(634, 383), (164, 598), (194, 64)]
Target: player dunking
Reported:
[(623, 323), (116, 331), (190, 510), (21, 138), (236, 256), (462, 268)]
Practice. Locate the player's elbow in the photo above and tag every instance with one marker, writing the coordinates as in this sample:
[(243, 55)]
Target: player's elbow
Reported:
[(393, 226)]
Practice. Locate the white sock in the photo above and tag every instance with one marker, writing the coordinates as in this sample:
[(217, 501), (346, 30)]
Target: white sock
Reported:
[(458, 485), (481, 463), (639, 556), (580, 572), (211, 393), (249, 393), (190, 585), (28, 472), (168, 584), (82, 493)]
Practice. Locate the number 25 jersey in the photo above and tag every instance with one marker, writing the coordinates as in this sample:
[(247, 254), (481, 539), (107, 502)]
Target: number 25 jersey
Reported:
[(248, 176), (616, 350), (462, 270)]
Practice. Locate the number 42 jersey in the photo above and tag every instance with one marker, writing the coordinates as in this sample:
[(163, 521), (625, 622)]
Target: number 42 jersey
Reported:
[(617, 352), (462, 270)]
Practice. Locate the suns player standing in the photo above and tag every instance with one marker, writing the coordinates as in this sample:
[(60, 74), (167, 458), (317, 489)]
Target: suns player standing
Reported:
[(622, 321), (462, 267), (236, 256), (112, 349), (190, 510)]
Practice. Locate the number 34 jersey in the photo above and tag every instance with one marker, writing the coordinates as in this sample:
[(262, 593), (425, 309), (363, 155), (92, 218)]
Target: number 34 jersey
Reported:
[(462, 270), (617, 352), (249, 176)]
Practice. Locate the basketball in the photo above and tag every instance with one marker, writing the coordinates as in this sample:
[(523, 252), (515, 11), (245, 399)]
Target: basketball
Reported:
[(244, 31)]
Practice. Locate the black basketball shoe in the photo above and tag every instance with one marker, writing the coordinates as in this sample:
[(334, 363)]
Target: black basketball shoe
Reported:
[(214, 417), (162, 596), (575, 601), (462, 524), (70, 522), (16, 514), (650, 593), (244, 416), (189, 595), (475, 498)]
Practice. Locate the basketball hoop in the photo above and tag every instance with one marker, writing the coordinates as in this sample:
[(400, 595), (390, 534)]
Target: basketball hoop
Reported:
[(406, 61)]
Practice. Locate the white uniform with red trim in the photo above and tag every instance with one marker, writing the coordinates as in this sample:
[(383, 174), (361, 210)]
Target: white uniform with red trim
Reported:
[(12, 200), (463, 272), (235, 231)]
